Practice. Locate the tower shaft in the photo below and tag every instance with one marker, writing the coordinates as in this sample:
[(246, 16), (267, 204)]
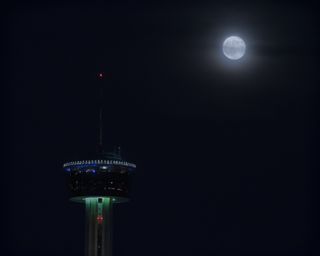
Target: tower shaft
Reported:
[(98, 226)]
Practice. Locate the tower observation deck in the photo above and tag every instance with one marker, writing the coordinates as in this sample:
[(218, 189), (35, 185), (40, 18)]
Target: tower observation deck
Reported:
[(99, 182)]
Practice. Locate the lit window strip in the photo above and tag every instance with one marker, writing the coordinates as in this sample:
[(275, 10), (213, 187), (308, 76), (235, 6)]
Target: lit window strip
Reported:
[(107, 162)]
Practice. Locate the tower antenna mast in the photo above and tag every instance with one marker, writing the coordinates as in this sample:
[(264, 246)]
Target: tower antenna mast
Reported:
[(100, 139)]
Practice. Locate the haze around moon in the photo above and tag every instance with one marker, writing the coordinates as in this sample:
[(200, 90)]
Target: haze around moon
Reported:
[(234, 47)]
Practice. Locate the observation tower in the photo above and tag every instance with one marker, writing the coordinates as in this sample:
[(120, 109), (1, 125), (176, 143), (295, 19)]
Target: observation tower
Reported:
[(99, 182)]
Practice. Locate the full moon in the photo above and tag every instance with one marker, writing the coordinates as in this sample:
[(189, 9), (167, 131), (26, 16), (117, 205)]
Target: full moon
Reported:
[(234, 47)]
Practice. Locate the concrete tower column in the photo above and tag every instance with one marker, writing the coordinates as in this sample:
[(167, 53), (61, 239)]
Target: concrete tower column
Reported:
[(98, 226)]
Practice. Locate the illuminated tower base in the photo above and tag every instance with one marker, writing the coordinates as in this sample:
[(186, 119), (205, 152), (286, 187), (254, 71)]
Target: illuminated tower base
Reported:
[(98, 226)]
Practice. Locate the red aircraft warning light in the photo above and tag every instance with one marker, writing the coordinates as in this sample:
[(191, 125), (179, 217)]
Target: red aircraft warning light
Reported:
[(100, 219)]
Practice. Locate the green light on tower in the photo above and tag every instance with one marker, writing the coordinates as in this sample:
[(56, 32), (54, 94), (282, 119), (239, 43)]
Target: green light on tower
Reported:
[(98, 226)]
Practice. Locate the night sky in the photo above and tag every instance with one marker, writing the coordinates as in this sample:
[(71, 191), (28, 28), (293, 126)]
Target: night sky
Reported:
[(226, 151)]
